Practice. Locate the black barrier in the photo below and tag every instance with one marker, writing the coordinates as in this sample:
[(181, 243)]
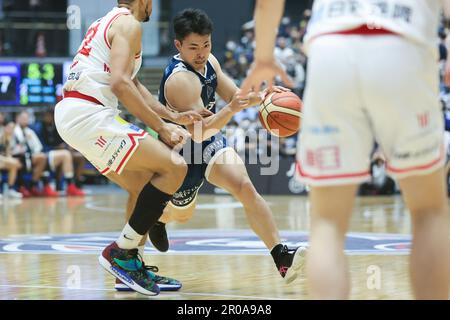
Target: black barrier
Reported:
[(282, 183)]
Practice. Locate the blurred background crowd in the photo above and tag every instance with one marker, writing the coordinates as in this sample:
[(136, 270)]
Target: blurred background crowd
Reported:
[(38, 39)]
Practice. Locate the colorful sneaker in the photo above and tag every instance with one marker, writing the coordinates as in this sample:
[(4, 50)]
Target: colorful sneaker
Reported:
[(49, 192), (72, 190), (289, 262), (158, 236), (164, 283), (128, 266)]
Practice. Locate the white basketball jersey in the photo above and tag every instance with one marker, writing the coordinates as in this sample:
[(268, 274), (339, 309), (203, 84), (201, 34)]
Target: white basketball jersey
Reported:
[(90, 71), (417, 20)]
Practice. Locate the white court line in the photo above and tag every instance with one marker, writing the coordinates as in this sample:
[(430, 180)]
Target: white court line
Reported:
[(231, 296), (52, 287), (163, 293), (98, 206)]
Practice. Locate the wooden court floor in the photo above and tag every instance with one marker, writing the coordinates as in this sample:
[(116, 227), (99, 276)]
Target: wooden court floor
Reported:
[(49, 249)]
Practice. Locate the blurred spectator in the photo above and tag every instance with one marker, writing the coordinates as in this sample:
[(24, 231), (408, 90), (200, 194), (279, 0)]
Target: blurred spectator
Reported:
[(381, 183), (284, 53), (28, 148), (288, 146), (41, 48), (51, 140), (250, 114), (35, 5), (7, 162)]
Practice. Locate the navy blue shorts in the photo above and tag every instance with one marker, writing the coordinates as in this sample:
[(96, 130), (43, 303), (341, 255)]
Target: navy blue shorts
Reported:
[(197, 156)]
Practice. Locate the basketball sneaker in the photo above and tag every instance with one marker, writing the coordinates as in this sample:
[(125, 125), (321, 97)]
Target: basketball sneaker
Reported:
[(289, 262), (34, 191), (48, 191), (25, 192), (158, 236), (11, 193), (128, 266), (73, 190), (164, 283)]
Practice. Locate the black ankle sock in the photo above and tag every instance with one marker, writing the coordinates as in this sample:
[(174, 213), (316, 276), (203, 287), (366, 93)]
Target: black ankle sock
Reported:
[(149, 208), (78, 183)]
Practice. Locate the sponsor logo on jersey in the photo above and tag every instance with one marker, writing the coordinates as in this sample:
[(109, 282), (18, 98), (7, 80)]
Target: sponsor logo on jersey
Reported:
[(74, 75)]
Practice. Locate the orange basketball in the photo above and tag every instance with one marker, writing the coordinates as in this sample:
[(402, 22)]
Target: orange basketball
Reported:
[(281, 113)]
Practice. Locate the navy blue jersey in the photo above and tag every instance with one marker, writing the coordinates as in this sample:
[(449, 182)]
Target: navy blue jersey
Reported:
[(208, 81), (198, 156)]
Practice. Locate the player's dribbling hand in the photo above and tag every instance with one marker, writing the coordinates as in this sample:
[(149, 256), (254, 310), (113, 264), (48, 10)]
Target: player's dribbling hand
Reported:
[(173, 135), (264, 71), (241, 101), (276, 89)]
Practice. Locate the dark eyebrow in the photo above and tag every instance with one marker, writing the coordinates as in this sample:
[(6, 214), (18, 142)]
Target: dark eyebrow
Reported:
[(196, 45)]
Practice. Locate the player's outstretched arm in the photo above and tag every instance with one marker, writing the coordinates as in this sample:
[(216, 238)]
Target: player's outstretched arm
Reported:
[(125, 38), (183, 93), (227, 89), (446, 4), (267, 19), (182, 118)]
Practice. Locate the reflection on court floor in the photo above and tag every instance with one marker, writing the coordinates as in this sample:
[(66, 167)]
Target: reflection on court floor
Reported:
[(49, 249)]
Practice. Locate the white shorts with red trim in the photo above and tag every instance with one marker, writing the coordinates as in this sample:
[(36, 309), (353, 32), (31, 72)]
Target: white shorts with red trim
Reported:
[(367, 89), (96, 131)]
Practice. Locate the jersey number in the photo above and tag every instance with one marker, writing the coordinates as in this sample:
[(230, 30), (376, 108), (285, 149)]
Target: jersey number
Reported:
[(90, 34)]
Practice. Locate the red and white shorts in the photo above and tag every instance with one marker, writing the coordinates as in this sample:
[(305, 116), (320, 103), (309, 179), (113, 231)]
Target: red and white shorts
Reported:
[(362, 89), (97, 132)]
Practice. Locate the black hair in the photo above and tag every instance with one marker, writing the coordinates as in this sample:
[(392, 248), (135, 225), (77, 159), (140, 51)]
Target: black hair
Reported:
[(191, 21)]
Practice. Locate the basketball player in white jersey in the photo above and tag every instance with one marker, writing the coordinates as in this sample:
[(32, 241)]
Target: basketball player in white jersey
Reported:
[(372, 75), (103, 72)]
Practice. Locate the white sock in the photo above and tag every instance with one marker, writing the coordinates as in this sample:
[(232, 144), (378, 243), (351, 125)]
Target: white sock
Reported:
[(68, 175), (129, 239)]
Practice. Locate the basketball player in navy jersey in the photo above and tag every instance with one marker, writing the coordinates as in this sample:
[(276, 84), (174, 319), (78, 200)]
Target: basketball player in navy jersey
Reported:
[(190, 82), (372, 73)]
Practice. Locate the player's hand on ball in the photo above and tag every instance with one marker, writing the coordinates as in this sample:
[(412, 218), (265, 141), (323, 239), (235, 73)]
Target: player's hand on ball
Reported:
[(277, 89), (264, 71), (173, 135), (241, 101)]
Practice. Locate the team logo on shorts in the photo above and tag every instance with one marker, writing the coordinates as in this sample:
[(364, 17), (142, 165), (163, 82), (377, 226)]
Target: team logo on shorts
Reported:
[(101, 142), (135, 128), (324, 158)]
